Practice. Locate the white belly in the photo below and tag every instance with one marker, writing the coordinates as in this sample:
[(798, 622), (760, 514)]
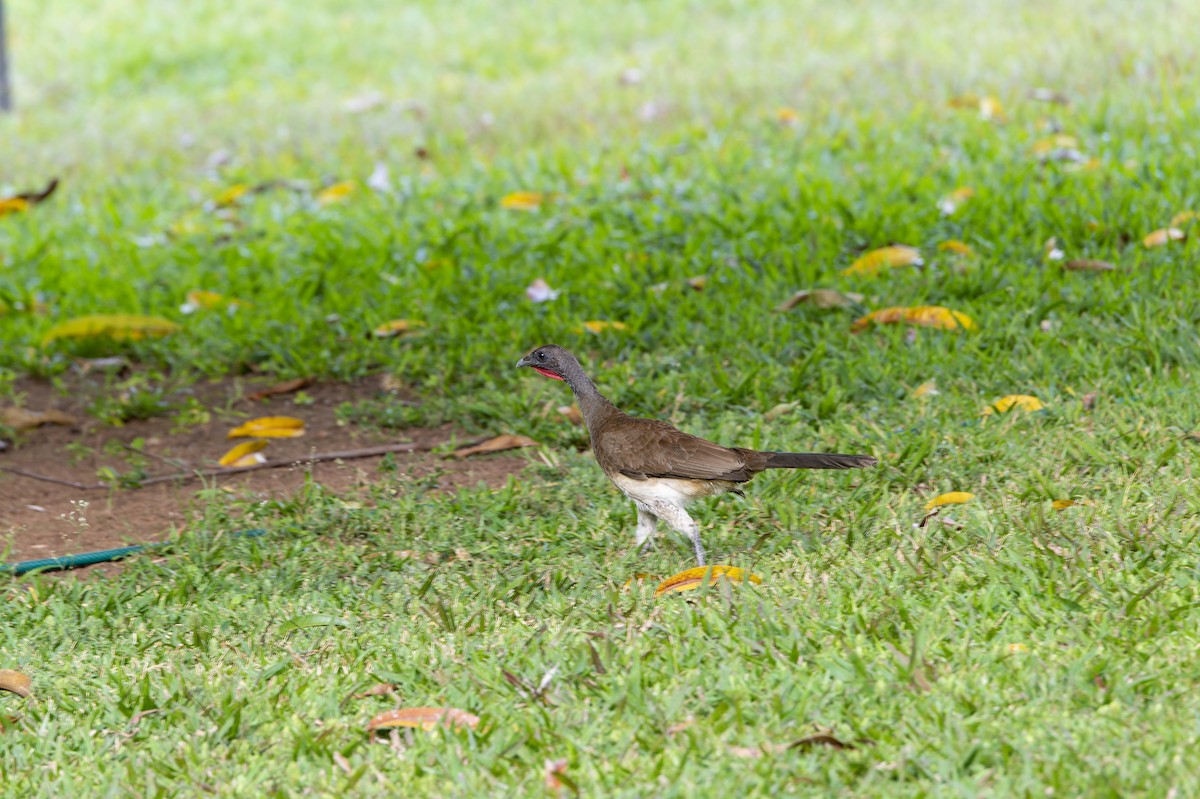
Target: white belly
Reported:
[(672, 490)]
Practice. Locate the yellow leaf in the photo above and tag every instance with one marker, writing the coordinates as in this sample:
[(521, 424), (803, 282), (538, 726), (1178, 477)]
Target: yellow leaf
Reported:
[(955, 200), (13, 205), (953, 498), (1022, 402), (269, 427), (244, 452), (990, 108), (1182, 218), (697, 282), (876, 261), (336, 193), (1063, 504), (211, 300), (922, 315), (15, 682), (522, 201), (118, 327), (820, 298), (1017, 649), (1161, 236), (497, 444), (598, 326), (787, 116), (397, 327), (231, 195), (926, 389), (957, 247), (425, 718), (694, 578)]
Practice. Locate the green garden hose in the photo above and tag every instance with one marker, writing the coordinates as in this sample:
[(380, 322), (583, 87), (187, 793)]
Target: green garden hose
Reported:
[(92, 558)]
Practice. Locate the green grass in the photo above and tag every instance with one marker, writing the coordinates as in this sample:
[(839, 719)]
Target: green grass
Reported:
[(1018, 651)]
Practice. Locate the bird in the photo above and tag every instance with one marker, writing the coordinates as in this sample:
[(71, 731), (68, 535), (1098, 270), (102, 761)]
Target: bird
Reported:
[(661, 468)]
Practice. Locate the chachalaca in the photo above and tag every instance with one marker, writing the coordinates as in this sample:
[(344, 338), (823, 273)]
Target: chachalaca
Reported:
[(660, 468)]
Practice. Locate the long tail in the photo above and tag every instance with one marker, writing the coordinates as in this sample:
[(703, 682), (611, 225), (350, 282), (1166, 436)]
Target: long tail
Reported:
[(814, 460)]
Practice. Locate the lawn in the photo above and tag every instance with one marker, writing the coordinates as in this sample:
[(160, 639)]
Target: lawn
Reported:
[(696, 165)]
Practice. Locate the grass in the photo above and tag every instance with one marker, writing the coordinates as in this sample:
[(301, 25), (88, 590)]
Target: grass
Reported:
[(1016, 651)]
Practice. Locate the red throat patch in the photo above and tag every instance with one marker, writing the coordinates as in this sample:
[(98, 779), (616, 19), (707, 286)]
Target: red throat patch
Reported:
[(547, 373)]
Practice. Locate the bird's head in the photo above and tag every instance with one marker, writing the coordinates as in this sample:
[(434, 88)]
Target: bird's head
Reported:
[(551, 360)]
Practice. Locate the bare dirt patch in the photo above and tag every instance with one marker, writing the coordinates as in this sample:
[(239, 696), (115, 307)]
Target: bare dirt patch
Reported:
[(40, 519)]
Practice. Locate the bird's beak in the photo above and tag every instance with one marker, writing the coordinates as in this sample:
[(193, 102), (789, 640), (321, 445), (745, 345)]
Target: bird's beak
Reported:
[(522, 362)]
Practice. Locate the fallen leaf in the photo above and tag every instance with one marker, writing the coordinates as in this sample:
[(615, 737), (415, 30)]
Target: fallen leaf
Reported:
[(1162, 236), (697, 282), (554, 773), (540, 291), (787, 116), (956, 247), (231, 195), (922, 315), (820, 298), (243, 454), (926, 389), (118, 327), (1182, 218), (26, 199), (25, 419), (378, 689), (497, 444), (397, 327), (269, 427), (598, 326), (425, 718), (1017, 649), (680, 726), (955, 200), (990, 109), (1023, 402), (571, 413), (336, 193), (313, 620), (523, 201), (1089, 400), (1088, 265), (1063, 504), (779, 410), (694, 578), (15, 682), (209, 301), (286, 387), (876, 261), (953, 498)]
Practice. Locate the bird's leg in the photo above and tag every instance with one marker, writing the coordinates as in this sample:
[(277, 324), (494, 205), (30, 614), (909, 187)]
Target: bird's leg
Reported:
[(647, 523), (679, 521)]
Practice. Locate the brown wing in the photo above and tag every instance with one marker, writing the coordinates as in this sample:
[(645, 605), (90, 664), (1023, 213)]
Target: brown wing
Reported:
[(641, 448)]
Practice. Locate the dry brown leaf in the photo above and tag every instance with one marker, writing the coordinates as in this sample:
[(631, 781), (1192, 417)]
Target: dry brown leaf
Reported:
[(286, 387), (24, 419), (378, 689), (1088, 265), (571, 413), (923, 315), (824, 739), (1162, 236), (876, 261), (554, 773), (680, 726), (820, 298), (782, 409), (497, 444), (425, 718), (16, 682)]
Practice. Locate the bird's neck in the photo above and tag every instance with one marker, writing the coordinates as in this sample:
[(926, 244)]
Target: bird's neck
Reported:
[(592, 404)]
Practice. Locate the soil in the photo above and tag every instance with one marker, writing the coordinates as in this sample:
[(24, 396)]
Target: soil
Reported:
[(41, 519)]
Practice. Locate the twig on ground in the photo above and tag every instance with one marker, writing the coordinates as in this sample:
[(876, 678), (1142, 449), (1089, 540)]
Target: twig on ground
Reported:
[(221, 471)]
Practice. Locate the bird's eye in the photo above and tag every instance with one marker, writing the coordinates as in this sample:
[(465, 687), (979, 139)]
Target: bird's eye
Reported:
[(541, 356)]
